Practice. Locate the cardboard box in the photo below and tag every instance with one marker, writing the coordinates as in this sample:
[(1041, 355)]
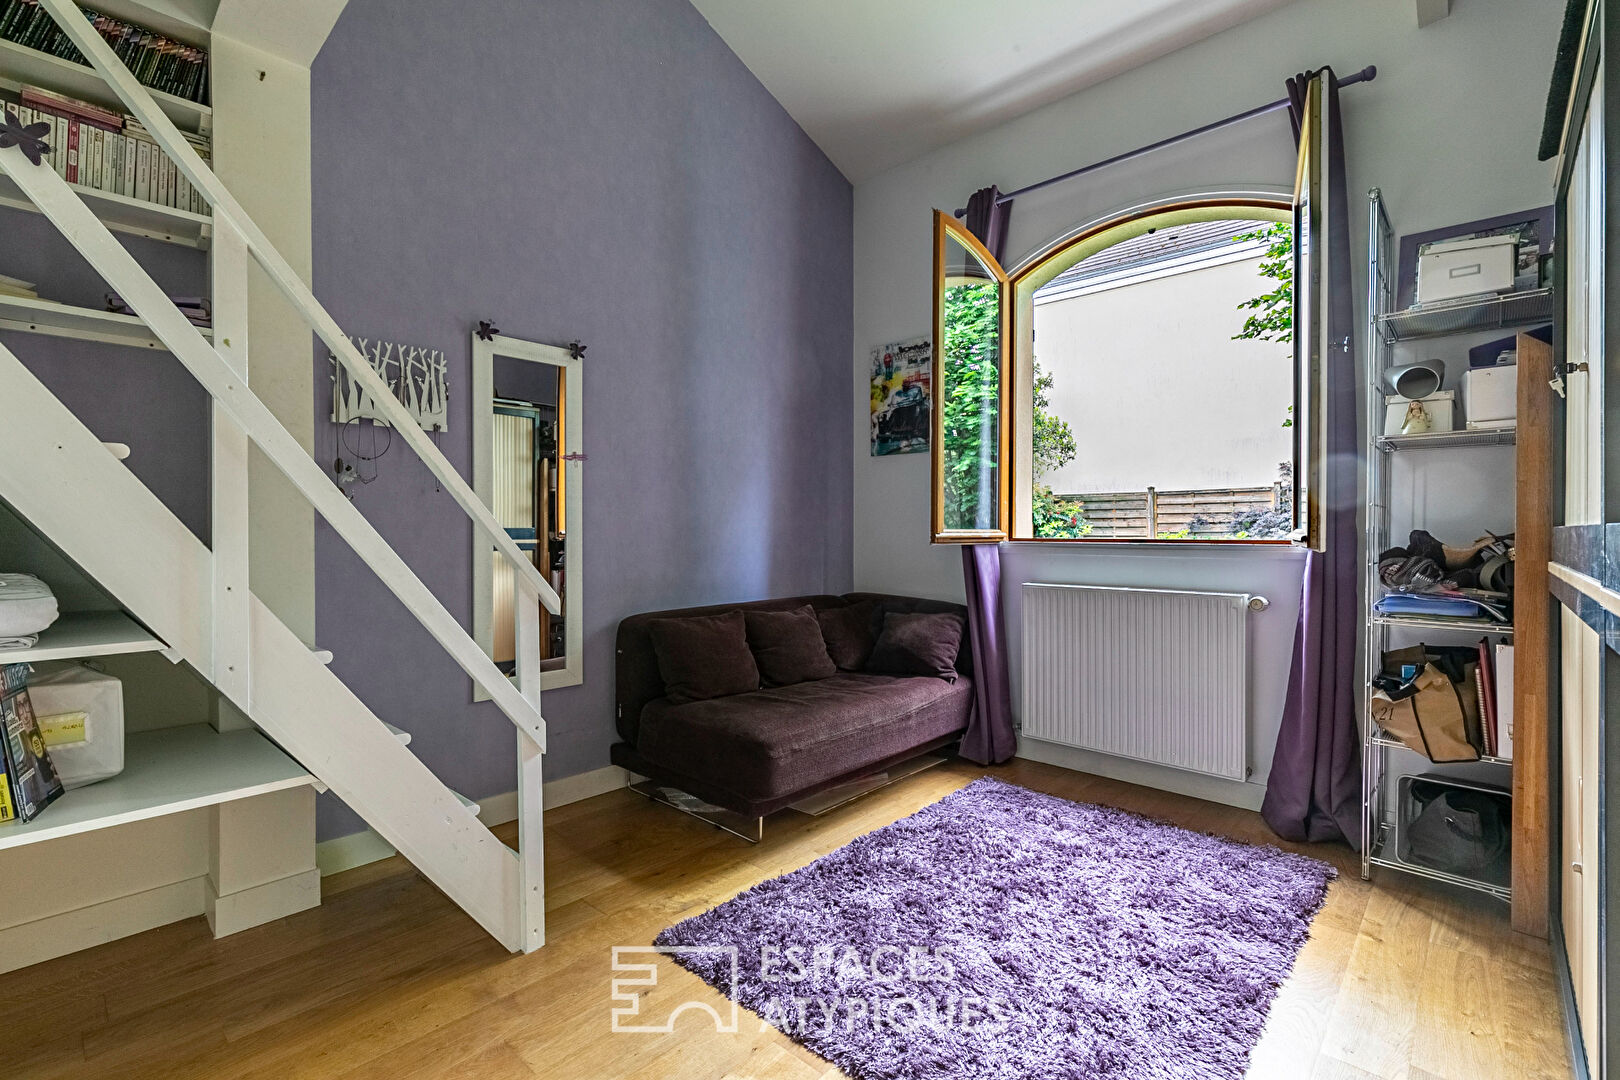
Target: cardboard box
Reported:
[(1491, 396), (1454, 268)]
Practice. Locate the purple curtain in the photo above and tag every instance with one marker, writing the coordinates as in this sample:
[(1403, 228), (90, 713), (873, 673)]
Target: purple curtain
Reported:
[(989, 739), (1314, 791)]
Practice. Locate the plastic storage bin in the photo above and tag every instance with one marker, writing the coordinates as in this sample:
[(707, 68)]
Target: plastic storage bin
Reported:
[(81, 717)]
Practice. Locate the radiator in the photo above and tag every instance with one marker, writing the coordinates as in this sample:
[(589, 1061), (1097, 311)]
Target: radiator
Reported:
[(1150, 674)]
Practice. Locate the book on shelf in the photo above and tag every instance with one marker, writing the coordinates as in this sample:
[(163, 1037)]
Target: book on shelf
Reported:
[(157, 62), (123, 160), (194, 308), (1504, 701), (1485, 684), (31, 779)]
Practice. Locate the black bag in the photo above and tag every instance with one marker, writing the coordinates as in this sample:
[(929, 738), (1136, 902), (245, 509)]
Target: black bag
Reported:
[(1459, 830)]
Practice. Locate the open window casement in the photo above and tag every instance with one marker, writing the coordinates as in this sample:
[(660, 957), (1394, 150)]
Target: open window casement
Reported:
[(970, 383), (1313, 264)]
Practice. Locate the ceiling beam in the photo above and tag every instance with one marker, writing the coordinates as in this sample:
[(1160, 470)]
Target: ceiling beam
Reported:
[(1432, 11)]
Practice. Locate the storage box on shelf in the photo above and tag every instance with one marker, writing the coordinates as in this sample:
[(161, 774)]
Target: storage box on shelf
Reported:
[(1385, 758)]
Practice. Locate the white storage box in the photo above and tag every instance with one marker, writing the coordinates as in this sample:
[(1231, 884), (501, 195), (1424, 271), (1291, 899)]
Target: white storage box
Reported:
[(1491, 396), (1439, 407), (1453, 268), (81, 717)]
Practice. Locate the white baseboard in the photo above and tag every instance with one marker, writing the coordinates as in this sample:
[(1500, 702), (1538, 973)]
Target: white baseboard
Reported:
[(95, 924), (262, 903), (1246, 796), (347, 852), (357, 849)]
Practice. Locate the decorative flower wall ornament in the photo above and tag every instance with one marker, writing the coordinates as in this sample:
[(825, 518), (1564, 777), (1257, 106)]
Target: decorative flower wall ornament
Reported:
[(30, 139), (576, 350), (486, 330)]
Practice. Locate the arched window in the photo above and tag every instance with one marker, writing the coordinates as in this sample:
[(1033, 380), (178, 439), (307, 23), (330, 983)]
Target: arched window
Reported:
[(1158, 353), (1154, 376)]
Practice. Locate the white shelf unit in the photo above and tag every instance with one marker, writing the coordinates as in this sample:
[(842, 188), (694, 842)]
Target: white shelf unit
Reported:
[(134, 217), (22, 66), (1386, 328), (167, 771), (84, 324), (84, 634)]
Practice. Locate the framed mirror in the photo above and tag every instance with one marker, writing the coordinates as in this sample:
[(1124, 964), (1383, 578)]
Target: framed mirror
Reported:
[(527, 439)]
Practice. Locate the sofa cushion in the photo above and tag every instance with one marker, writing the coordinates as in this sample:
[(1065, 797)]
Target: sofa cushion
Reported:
[(918, 644), (705, 656), (784, 739), (787, 646), (848, 633)]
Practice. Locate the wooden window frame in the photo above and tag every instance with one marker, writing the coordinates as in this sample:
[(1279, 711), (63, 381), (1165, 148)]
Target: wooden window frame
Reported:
[(946, 227), (1017, 352)]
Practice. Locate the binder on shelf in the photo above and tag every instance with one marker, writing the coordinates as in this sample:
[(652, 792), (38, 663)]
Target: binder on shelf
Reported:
[(1504, 701)]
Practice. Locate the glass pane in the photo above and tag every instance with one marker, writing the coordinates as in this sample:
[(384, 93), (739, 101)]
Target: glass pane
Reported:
[(1161, 387), (529, 494), (970, 317)]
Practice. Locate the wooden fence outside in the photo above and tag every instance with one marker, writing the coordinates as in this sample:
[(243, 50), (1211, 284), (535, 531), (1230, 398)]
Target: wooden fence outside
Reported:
[(1150, 513)]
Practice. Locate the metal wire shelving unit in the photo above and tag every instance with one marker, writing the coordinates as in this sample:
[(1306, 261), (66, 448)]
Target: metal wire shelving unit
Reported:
[(1380, 836)]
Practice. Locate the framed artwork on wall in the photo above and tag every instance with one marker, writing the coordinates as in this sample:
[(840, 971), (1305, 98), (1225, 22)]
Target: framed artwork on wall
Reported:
[(902, 395)]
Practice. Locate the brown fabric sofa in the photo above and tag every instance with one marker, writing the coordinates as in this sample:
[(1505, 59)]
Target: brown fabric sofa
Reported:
[(755, 753)]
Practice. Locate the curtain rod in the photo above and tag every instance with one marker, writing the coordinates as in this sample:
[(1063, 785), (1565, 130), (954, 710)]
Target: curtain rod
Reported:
[(1366, 74)]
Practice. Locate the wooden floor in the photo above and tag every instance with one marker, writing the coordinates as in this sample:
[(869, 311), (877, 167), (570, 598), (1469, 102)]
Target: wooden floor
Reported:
[(388, 980)]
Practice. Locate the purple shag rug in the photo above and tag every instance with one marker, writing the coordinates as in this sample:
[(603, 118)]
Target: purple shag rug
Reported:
[(1002, 934)]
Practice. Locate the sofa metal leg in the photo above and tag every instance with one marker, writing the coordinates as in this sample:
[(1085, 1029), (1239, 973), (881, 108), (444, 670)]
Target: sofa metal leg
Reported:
[(743, 826)]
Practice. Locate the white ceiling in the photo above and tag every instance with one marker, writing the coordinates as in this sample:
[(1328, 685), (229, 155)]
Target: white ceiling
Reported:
[(878, 82)]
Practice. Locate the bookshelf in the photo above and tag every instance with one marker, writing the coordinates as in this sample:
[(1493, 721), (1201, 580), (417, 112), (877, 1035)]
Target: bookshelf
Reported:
[(85, 634), (84, 324), (124, 214), (22, 66), (168, 771), (1443, 485)]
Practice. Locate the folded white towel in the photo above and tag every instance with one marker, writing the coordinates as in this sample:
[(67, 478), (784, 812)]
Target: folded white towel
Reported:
[(26, 607), (24, 641)]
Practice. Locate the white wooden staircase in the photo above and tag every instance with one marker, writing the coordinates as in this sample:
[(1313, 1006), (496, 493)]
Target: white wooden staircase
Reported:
[(58, 476)]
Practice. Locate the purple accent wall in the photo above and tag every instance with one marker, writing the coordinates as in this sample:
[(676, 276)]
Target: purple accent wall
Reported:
[(143, 397), (605, 170)]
